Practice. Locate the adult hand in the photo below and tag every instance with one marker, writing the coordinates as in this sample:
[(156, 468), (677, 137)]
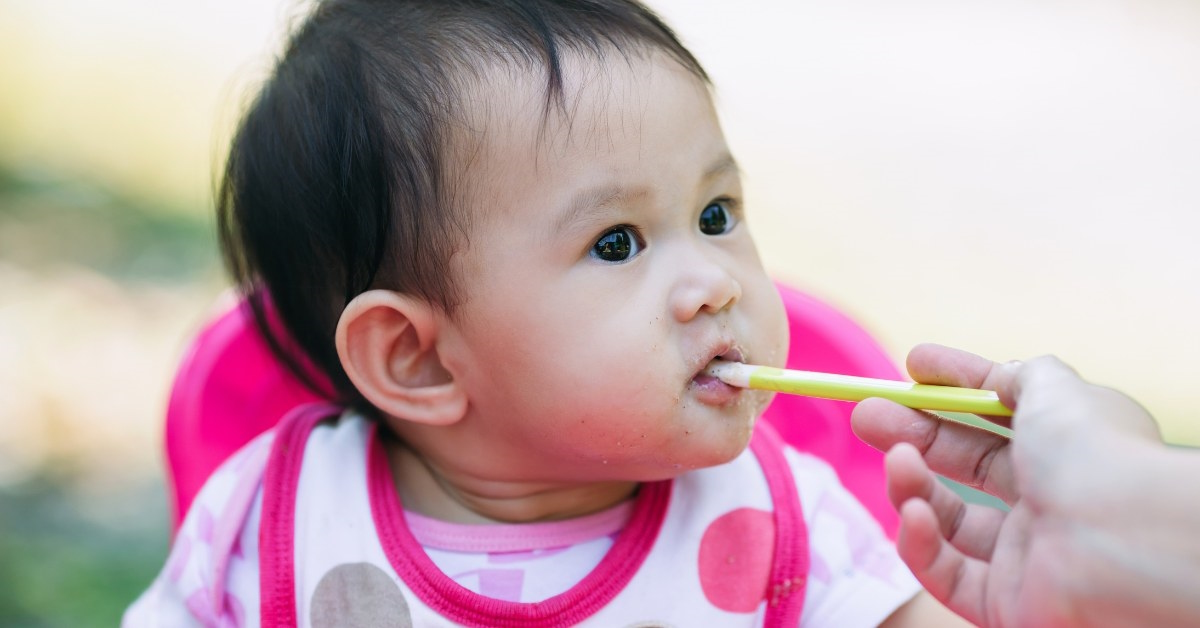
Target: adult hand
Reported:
[(1100, 531)]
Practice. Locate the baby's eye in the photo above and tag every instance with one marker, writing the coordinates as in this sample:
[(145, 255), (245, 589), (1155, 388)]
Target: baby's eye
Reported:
[(618, 245), (716, 219)]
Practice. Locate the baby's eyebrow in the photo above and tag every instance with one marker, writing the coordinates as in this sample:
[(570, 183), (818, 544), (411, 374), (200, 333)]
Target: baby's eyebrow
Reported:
[(589, 200), (604, 196), (725, 164)]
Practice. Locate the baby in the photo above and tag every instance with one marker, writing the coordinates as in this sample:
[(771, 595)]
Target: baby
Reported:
[(512, 236)]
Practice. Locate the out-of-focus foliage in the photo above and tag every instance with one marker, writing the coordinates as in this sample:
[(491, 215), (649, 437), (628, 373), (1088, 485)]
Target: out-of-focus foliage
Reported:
[(97, 293), (46, 221), (66, 565)]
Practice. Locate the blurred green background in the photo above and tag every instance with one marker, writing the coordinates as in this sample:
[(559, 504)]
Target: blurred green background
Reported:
[(1011, 177)]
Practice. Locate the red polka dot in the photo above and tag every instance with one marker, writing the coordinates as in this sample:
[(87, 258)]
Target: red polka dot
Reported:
[(735, 559)]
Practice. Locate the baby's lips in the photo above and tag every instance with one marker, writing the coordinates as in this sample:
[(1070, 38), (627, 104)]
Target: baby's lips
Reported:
[(720, 351), (733, 355), (710, 390)]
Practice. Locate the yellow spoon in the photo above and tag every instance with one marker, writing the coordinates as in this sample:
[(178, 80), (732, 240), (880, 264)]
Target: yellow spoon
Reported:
[(850, 388)]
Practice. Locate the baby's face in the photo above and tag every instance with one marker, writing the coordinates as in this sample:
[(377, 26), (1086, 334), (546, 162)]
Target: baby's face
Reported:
[(608, 263)]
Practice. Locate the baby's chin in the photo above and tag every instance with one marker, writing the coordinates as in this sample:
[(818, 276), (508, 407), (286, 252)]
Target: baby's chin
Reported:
[(723, 449)]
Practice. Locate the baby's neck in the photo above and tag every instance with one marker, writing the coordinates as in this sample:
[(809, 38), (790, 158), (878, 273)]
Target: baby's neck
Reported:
[(429, 492)]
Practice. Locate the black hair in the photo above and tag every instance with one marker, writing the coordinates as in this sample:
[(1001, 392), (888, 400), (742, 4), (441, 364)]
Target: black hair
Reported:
[(336, 180)]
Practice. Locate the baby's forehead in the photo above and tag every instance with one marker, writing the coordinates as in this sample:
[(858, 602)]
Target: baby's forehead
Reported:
[(514, 107), (640, 128)]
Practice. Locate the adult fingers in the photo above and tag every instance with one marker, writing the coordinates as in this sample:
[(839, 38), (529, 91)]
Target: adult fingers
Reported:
[(945, 366), (955, 579), (972, 529), (965, 454), (930, 363)]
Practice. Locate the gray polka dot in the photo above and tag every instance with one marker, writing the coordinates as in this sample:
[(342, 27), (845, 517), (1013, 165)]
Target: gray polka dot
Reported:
[(359, 595)]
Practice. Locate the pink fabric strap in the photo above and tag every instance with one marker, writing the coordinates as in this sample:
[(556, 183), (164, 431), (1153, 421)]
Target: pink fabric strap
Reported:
[(789, 568), (277, 530)]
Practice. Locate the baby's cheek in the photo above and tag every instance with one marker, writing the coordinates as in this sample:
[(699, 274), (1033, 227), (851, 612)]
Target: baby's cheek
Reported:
[(631, 374), (760, 399), (777, 337)]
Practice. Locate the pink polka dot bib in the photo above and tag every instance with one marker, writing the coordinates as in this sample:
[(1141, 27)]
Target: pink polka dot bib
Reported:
[(702, 550), (309, 531)]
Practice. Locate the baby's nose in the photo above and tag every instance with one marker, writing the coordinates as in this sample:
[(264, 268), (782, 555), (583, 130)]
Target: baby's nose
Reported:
[(706, 287)]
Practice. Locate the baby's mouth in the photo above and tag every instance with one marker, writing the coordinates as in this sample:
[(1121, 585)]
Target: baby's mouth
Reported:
[(721, 359), (732, 355), (710, 387)]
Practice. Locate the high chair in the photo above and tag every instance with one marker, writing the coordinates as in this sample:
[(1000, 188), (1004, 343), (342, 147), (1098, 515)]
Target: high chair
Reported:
[(230, 387)]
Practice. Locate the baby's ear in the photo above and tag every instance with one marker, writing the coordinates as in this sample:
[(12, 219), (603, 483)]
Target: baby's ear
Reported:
[(385, 342)]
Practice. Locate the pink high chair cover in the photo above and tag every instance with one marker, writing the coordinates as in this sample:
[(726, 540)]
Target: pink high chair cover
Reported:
[(230, 388)]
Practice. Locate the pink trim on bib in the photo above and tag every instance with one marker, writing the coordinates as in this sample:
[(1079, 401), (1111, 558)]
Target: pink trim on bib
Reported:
[(789, 569), (458, 604), (277, 529)]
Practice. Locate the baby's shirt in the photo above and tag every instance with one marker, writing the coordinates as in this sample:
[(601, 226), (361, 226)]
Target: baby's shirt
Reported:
[(717, 569), (853, 571)]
